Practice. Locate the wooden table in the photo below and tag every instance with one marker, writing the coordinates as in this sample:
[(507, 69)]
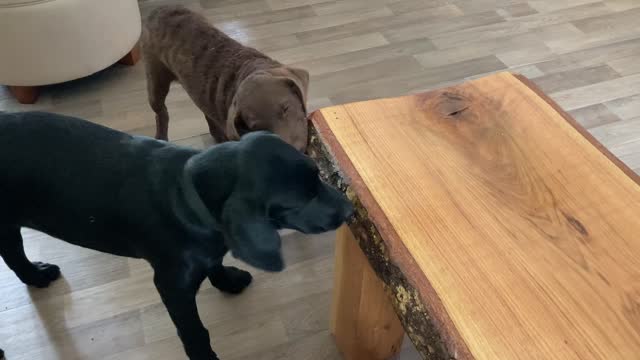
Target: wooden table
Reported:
[(494, 226)]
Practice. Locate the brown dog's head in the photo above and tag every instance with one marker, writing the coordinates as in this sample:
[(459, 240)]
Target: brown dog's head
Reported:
[(273, 100)]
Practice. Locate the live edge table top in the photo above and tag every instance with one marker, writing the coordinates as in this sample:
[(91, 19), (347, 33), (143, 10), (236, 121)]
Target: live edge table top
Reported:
[(501, 228)]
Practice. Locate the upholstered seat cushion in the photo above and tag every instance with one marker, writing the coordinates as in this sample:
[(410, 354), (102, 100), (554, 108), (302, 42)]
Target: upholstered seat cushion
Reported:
[(51, 41)]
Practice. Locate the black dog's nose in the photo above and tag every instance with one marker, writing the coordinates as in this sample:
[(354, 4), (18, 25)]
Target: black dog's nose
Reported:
[(347, 210)]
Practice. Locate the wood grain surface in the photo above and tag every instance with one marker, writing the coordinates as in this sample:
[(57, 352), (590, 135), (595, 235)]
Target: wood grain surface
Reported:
[(519, 234), (363, 321)]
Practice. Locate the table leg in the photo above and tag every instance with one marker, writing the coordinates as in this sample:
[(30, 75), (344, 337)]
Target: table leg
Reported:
[(25, 94), (363, 322), (132, 57)]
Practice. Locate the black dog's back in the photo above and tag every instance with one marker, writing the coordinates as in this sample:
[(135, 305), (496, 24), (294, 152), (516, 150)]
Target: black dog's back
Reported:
[(54, 164), (56, 147)]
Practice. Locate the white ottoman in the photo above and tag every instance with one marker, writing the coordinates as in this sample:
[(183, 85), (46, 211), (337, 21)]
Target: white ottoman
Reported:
[(51, 41)]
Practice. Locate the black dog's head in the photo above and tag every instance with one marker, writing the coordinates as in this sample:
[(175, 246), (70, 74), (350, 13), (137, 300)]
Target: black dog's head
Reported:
[(268, 185)]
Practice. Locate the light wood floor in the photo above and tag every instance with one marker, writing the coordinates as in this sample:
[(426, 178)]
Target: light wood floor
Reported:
[(584, 53)]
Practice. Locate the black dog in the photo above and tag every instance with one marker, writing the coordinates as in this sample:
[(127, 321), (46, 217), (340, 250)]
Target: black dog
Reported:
[(178, 208)]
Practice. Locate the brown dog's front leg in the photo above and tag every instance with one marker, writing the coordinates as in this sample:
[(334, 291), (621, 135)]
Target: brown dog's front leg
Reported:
[(216, 131), (179, 297)]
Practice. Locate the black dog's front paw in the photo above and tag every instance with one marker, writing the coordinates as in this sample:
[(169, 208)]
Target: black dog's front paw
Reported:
[(231, 280), (40, 275)]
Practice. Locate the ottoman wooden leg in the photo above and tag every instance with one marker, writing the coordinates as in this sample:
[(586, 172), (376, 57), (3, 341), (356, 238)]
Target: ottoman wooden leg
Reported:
[(25, 94), (363, 322), (132, 56)]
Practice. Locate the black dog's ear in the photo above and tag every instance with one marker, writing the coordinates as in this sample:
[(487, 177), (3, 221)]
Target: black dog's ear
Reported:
[(250, 235)]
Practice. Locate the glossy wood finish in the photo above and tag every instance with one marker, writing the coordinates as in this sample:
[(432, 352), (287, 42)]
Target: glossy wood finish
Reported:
[(516, 227)]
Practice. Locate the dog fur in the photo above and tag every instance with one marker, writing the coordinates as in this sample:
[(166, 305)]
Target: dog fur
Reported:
[(178, 208), (239, 89)]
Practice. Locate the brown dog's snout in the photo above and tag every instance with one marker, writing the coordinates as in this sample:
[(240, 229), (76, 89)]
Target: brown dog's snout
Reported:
[(301, 144)]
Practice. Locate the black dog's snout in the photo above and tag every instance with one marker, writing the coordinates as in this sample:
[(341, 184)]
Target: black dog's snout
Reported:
[(343, 209), (347, 210), (343, 214)]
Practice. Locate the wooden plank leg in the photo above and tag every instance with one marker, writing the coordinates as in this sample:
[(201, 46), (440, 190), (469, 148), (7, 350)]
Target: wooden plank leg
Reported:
[(25, 94), (363, 322), (132, 57)]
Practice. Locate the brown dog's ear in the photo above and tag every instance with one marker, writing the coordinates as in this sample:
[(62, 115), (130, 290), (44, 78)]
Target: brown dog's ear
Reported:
[(299, 77), (233, 116)]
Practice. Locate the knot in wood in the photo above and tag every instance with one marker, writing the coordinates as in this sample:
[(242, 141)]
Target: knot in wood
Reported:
[(450, 104)]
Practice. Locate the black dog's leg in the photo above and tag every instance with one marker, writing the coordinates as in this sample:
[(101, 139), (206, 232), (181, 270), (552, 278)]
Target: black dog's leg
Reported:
[(229, 279), (31, 273), (178, 292), (1, 354)]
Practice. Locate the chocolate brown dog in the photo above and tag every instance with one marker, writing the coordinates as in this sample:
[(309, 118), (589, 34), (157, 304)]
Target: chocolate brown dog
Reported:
[(239, 89)]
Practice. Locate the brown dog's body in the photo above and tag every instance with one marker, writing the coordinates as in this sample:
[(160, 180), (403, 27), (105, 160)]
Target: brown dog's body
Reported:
[(238, 88)]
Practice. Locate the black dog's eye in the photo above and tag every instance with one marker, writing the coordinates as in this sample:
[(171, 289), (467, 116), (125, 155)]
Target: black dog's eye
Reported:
[(275, 210)]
